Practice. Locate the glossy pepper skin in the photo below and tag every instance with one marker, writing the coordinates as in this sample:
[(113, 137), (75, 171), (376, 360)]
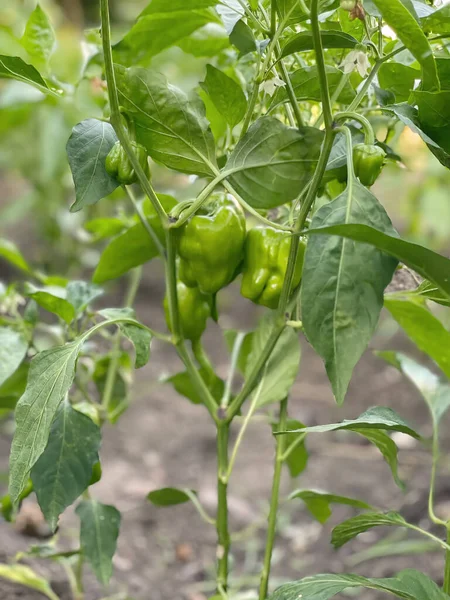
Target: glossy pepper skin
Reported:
[(265, 264), (368, 162), (118, 164), (194, 307), (211, 245)]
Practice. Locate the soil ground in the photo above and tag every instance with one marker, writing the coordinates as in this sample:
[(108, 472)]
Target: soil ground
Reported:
[(164, 440)]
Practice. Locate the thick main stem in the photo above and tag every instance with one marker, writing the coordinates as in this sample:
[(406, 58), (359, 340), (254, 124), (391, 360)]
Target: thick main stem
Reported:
[(223, 535), (272, 520), (446, 586)]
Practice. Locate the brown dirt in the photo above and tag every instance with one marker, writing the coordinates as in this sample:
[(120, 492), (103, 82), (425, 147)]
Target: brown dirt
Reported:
[(163, 440)]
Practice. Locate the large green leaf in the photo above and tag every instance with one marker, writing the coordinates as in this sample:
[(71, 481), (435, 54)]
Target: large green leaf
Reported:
[(159, 27), (99, 531), (64, 469), (409, 584), (427, 263), (87, 149), (398, 79), (272, 163), (303, 41), (24, 575), (167, 124), (424, 329), (13, 347), (318, 503), (410, 32), (438, 21), (282, 367), (435, 392), (343, 284), (50, 377), (134, 247), (306, 86), (378, 417), (206, 41), (226, 95), (434, 122), (349, 529), (52, 299), (38, 38), (13, 67)]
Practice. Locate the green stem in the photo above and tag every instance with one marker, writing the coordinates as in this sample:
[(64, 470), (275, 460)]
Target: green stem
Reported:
[(223, 535), (435, 460), (446, 586), (133, 287), (290, 90), (201, 511), (232, 370), (116, 119), (321, 67), (362, 92), (144, 221), (273, 17), (293, 446), (274, 501), (368, 129), (203, 359)]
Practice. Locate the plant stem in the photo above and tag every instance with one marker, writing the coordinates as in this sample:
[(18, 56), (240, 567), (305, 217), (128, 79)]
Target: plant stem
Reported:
[(116, 119), (223, 535), (368, 129), (232, 370), (320, 62), (272, 520), (144, 221), (434, 465), (446, 586), (201, 511)]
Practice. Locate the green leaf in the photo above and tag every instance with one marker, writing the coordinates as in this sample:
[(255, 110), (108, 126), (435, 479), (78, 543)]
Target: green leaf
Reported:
[(303, 41), (159, 27), (132, 248), (184, 386), (429, 291), (226, 95), (282, 367), (377, 417), (242, 37), (172, 130), (398, 79), (87, 149), (161, 6), (24, 575), (434, 122), (100, 525), (427, 263), (49, 380), (13, 67), (81, 293), (272, 163), (438, 21), (169, 497), (119, 396), (53, 300), (209, 40), (349, 529), (39, 38), (388, 449), (104, 227), (443, 67), (318, 503), (408, 30), (14, 386), (141, 339), (306, 86), (10, 253), (435, 392), (343, 284), (408, 584), (230, 11), (423, 328), (13, 348), (245, 349), (64, 470), (297, 459)]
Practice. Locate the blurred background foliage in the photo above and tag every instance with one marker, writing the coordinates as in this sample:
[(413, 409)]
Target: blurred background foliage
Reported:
[(36, 186)]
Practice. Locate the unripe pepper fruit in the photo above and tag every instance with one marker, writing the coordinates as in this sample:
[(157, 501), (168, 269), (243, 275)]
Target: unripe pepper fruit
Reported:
[(118, 164), (194, 308), (368, 162)]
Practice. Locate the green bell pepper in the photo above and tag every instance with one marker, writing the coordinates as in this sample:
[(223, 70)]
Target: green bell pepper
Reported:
[(265, 263), (368, 162), (118, 164), (211, 244), (194, 308)]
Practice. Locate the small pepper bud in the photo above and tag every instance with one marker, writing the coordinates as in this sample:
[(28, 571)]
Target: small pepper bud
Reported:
[(357, 13), (348, 5)]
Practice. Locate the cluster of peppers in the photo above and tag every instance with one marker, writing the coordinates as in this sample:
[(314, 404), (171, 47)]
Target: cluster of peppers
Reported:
[(214, 246)]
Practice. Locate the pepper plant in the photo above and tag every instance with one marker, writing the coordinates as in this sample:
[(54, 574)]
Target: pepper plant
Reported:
[(292, 124)]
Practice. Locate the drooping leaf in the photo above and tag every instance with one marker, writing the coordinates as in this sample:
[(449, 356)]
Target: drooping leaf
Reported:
[(52, 299), (319, 503), (283, 364), (24, 575), (242, 37), (272, 163), (38, 38), (435, 392), (99, 531), (10, 253), (346, 531), (303, 41), (13, 67), (87, 149), (13, 347), (169, 497), (183, 385), (410, 32), (64, 469), (81, 293), (427, 263), (172, 130), (141, 339), (343, 284), (378, 417), (226, 95), (388, 449), (297, 459), (50, 377)]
